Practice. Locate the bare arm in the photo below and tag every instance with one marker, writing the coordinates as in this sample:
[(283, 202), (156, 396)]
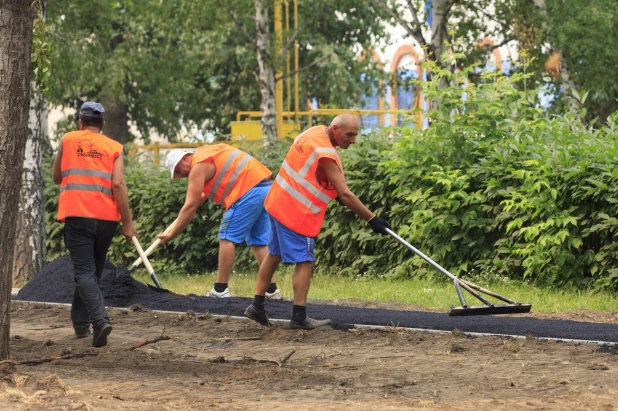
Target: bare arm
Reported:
[(121, 194), (58, 163), (200, 173), (348, 198)]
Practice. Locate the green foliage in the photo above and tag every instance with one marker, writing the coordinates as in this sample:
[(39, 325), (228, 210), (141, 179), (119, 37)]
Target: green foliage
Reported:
[(40, 53), (493, 189), (132, 56), (585, 31), (183, 64)]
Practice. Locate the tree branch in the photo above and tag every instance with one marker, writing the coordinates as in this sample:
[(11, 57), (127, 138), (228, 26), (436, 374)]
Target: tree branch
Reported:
[(506, 41), (299, 29), (313, 63), (493, 18), (419, 27), (238, 24), (83, 354), (416, 34)]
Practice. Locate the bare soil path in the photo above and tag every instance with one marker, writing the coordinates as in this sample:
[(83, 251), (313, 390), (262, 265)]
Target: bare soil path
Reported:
[(221, 363)]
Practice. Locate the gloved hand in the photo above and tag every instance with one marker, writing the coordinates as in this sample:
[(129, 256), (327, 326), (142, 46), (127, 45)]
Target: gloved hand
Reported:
[(378, 225)]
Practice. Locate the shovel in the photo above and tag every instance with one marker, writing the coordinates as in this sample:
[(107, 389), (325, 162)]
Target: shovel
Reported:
[(489, 308), (158, 287), (150, 249)]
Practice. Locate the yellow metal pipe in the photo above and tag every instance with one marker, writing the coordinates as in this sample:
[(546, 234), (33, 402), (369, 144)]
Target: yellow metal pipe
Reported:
[(278, 84), (381, 105), (321, 111), (155, 153), (296, 95), (288, 79)]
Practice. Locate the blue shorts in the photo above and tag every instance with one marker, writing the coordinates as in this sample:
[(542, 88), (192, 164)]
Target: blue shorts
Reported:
[(246, 219), (290, 246)]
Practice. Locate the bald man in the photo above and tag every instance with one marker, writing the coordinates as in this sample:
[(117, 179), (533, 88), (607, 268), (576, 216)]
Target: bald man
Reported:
[(310, 177)]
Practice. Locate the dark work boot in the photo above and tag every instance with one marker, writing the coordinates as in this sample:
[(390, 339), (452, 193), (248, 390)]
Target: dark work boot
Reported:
[(99, 336), (309, 324), (83, 334), (258, 315)]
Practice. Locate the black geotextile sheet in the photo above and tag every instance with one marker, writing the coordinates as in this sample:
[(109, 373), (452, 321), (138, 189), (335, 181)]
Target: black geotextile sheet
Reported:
[(55, 284)]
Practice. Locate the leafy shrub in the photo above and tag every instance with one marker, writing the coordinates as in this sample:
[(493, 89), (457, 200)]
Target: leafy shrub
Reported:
[(494, 189)]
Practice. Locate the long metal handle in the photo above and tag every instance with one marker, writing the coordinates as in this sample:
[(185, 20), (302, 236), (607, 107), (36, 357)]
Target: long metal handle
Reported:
[(154, 245), (423, 256)]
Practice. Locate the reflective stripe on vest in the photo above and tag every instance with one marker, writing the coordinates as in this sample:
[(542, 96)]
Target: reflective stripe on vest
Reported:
[(86, 172), (297, 195), (87, 187), (222, 173), (305, 169), (236, 172), (232, 180), (299, 178)]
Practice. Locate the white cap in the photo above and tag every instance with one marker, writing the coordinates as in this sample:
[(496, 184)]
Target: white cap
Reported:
[(173, 158)]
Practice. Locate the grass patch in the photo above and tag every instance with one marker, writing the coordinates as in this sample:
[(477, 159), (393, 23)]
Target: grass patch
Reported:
[(426, 293)]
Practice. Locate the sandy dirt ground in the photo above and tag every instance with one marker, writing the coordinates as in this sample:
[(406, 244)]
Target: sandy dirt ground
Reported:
[(222, 363)]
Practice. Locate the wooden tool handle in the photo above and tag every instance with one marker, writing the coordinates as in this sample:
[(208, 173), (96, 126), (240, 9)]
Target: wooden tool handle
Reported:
[(154, 245), (142, 255)]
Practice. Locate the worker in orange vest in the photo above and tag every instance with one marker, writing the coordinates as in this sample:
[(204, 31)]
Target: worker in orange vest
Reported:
[(235, 180), (93, 198), (310, 177)]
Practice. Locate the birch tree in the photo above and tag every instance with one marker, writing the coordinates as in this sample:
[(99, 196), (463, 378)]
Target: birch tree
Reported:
[(266, 77), (15, 43), (431, 37)]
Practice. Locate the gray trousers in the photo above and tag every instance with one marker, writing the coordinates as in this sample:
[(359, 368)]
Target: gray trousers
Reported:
[(88, 240)]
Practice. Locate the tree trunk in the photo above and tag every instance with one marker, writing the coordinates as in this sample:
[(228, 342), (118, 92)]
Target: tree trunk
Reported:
[(15, 43), (116, 118), (266, 78), (439, 33), (567, 81), (29, 253)]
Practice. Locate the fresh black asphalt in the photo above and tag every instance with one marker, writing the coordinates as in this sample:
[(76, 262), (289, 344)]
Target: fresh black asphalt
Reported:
[(55, 284)]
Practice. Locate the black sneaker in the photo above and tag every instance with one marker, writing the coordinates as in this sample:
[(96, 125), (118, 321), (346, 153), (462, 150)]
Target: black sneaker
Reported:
[(99, 337), (258, 315), (309, 324)]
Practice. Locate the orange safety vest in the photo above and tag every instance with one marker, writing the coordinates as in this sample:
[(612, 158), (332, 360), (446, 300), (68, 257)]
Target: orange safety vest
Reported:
[(86, 188), (299, 196), (236, 173)]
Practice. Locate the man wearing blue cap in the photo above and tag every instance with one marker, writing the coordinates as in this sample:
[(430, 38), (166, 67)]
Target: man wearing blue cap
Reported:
[(93, 198)]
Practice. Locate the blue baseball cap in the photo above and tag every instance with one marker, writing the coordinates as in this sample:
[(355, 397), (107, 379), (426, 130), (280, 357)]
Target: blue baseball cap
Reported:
[(92, 109)]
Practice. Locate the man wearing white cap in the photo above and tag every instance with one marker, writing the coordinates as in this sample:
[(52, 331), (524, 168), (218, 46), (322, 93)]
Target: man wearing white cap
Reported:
[(235, 180)]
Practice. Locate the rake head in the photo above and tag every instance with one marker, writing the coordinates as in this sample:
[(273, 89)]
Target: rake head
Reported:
[(519, 308)]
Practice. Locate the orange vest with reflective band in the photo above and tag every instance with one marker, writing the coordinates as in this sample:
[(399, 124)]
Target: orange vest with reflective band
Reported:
[(86, 188), (237, 172), (300, 193)]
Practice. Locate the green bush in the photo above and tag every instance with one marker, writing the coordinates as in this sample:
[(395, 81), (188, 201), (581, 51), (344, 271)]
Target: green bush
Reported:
[(494, 189)]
